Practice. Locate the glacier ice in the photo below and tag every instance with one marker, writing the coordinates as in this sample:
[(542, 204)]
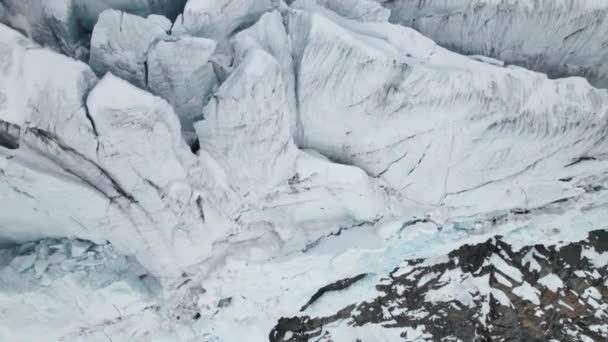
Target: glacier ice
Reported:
[(363, 10), (72, 137), (89, 11), (180, 72), (120, 44), (397, 78), (219, 19), (65, 25), (557, 37), (327, 140)]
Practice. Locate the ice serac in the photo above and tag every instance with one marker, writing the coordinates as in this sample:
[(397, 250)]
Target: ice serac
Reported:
[(80, 169), (441, 128), (167, 212), (294, 196), (269, 34), (247, 124), (120, 44), (65, 25), (180, 72), (219, 19), (363, 10), (89, 11), (51, 23), (557, 37)]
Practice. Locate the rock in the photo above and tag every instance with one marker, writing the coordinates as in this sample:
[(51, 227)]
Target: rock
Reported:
[(474, 294), (555, 37), (219, 19), (120, 44), (335, 286), (179, 71), (103, 295), (224, 302)]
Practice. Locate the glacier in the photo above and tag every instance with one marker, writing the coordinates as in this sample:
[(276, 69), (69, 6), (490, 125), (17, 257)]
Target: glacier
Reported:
[(199, 170), (559, 38)]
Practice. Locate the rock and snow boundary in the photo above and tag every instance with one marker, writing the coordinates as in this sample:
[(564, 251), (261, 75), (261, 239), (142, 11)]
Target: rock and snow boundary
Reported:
[(207, 176)]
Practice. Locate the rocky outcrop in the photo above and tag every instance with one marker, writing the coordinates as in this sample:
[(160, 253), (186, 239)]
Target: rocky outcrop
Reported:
[(326, 145), (484, 292)]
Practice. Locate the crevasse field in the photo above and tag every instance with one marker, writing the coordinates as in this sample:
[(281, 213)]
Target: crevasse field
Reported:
[(308, 170)]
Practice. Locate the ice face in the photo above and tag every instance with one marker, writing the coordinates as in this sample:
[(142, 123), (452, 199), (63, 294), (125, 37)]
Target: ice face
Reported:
[(560, 38), (77, 138), (89, 11), (445, 144), (219, 19), (120, 44), (65, 25), (180, 72)]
